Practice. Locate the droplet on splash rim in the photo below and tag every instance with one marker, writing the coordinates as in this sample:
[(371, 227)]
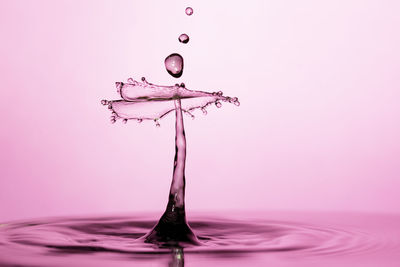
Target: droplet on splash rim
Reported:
[(218, 104), (182, 85), (104, 102), (189, 11), (130, 80), (139, 120), (174, 65), (125, 121), (183, 38)]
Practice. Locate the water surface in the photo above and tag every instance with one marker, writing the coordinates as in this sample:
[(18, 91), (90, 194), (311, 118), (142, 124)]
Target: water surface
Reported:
[(236, 239)]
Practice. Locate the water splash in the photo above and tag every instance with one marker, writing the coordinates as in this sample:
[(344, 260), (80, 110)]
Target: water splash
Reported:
[(147, 101), (174, 65)]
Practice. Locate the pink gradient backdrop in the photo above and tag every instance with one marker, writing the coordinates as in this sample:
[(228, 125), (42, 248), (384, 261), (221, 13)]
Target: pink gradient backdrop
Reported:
[(318, 128)]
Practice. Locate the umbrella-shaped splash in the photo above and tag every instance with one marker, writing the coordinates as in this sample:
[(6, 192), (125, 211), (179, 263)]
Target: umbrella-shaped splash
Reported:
[(141, 100)]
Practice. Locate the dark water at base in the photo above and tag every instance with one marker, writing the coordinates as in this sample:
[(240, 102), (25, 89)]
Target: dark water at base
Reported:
[(280, 239)]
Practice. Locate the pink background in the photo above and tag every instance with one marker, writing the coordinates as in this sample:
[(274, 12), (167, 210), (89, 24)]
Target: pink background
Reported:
[(318, 128)]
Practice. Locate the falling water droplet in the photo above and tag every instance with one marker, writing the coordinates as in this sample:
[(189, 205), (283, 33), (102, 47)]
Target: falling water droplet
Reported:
[(204, 111), (174, 65), (189, 11), (183, 38), (130, 80), (218, 104), (125, 121), (104, 102)]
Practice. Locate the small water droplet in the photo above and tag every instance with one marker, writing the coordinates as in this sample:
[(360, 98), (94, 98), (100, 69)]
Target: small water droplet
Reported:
[(158, 124), (204, 111), (189, 11), (183, 85), (214, 93), (143, 79), (104, 102), (139, 120), (125, 121), (130, 80), (183, 38), (220, 93), (112, 119), (218, 104), (109, 106), (174, 65), (119, 85), (236, 103)]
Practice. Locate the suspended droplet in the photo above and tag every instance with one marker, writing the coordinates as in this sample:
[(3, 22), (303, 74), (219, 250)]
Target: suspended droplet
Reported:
[(183, 38), (218, 104), (130, 80), (174, 65), (104, 102), (125, 121), (204, 111), (189, 11)]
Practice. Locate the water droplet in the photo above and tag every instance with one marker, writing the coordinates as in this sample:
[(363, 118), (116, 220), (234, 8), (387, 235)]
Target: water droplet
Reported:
[(189, 11), (183, 85), (109, 106), (104, 102), (112, 119), (158, 124), (236, 103), (130, 80), (183, 38), (143, 79), (174, 65), (220, 93), (125, 121), (139, 120), (204, 111), (218, 104), (119, 85)]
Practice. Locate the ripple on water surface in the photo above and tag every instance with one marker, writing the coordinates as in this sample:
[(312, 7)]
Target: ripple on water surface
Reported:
[(116, 240)]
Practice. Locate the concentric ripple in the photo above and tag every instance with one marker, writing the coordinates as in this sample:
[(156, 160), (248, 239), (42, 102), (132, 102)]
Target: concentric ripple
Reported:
[(44, 241)]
